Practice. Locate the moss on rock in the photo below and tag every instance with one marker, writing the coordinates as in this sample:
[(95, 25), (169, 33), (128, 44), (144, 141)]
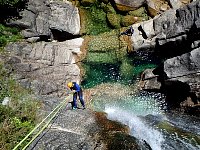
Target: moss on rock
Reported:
[(128, 20), (93, 20), (126, 70), (114, 20), (104, 42), (108, 58), (140, 13), (87, 2)]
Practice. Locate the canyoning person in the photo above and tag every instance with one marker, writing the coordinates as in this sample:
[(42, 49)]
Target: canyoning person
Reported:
[(128, 32), (76, 89)]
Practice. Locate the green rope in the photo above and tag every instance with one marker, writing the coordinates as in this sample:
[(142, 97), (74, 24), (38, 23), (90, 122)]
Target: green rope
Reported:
[(43, 127), (58, 108)]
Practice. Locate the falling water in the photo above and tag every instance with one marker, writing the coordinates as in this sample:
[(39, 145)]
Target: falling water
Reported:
[(141, 113), (138, 128)]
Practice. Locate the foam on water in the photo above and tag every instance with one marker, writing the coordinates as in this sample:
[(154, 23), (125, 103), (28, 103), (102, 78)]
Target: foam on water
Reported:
[(138, 128)]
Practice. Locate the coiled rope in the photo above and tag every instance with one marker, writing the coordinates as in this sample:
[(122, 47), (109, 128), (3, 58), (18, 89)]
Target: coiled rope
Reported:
[(53, 113)]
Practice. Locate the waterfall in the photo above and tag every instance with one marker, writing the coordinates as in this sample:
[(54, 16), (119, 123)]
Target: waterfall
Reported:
[(138, 128), (129, 112), (136, 110)]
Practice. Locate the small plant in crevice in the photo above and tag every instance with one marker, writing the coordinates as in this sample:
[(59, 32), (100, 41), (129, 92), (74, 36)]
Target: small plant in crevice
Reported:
[(8, 34)]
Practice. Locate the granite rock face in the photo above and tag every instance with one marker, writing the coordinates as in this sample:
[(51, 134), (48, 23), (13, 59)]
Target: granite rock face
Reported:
[(44, 67), (175, 38), (45, 19), (71, 129)]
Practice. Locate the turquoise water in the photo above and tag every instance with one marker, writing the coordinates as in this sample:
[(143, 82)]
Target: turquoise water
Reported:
[(110, 73)]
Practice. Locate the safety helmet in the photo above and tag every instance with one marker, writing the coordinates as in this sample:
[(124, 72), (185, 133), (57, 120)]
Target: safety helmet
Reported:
[(70, 84)]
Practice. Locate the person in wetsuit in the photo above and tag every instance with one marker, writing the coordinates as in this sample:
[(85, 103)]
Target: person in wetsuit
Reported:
[(75, 87)]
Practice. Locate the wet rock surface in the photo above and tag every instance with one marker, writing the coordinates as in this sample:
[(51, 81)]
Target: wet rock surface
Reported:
[(71, 129)]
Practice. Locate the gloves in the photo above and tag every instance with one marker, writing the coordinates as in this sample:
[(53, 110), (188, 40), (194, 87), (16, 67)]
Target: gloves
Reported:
[(73, 91)]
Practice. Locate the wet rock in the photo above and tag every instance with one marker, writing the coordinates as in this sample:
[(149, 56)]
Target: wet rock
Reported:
[(70, 130), (149, 81)]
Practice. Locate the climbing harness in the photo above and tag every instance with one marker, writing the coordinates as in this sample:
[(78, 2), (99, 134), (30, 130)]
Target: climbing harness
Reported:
[(46, 120)]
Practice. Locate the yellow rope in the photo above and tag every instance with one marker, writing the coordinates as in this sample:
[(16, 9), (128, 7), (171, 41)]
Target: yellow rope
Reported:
[(58, 108)]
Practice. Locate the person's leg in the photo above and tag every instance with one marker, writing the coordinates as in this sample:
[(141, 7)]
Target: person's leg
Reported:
[(80, 94), (74, 100)]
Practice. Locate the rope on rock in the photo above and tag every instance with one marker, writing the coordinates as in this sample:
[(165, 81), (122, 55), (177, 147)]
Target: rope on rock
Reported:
[(53, 113)]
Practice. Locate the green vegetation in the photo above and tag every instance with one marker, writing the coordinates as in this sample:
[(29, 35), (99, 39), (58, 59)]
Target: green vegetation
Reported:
[(141, 12), (104, 42), (18, 117), (114, 20), (10, 9), (8, 34), (95, 20), (11, 3)]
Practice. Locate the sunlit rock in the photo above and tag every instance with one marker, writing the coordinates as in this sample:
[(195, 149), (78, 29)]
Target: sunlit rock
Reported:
[(34, 19), (64, 17), (175, 4), (143, 36), (50, 64), (127, 5)]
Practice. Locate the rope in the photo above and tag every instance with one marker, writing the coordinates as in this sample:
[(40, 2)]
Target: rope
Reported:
[(58, 108)]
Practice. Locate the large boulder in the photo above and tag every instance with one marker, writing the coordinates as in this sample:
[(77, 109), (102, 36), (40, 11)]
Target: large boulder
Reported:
[(176, 39), (155, 7), (64, 17), (34, 20), (45, 19), (177, 30)]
